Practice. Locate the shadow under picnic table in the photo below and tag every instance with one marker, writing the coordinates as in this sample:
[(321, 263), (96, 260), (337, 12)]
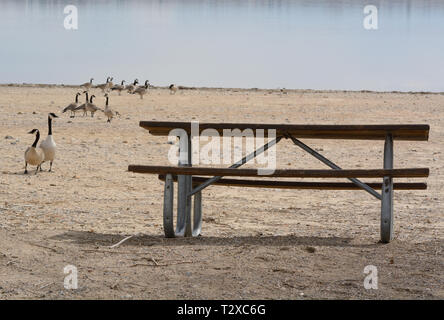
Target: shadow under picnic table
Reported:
[(99, 239)]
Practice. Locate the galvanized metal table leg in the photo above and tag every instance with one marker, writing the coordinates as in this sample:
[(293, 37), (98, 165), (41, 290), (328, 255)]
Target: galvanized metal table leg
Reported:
[(387, 194), (168, 207), (181, 203), (184, 184), (189, 187), (188, 203), (197, 214)]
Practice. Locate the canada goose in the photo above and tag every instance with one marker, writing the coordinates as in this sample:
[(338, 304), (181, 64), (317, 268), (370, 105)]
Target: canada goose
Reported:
[(48, 145), (110, 83), (83, 106), (141, 91), (91, 107), (147, 84), (103, 86), (108, 112), (118, 87), (33, 155), (72, 107), (132, 86), (173, 88), (87, 85)]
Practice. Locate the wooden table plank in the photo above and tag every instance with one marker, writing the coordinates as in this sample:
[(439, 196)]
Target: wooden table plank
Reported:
[(413, 132), (319, 185), (284, 173)]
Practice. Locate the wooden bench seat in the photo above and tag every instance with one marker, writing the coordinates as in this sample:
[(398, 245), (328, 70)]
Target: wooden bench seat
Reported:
[(319, 185), (285, 173)]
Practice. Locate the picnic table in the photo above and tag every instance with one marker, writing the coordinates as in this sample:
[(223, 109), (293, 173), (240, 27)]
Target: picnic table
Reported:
[(192, 180)]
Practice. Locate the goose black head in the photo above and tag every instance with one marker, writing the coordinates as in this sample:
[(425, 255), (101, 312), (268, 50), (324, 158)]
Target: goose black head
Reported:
[(91, 80), (78, 94), (85, 91), (123, 81), (107, 79), (146, 82), (106, 95), (136, 81), (52, 115), (91, 98), (33, 131)]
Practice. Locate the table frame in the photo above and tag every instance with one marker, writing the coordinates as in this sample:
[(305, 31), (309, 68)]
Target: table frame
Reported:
[(188, 225)]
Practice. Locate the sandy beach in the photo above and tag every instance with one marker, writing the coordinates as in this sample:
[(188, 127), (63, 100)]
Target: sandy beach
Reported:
[(255, 244)]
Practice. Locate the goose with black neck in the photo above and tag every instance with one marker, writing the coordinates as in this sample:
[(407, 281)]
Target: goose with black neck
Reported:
[(48, 145), (34, 155)]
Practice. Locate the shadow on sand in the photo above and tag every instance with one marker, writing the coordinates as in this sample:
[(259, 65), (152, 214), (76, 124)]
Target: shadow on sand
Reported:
[(90, 238)]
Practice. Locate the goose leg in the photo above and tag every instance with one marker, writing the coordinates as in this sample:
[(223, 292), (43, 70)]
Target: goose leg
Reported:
[(26, 167), (50, 166)]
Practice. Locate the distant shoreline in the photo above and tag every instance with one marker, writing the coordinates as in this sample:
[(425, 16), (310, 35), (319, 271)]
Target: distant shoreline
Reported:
[(45, 85)]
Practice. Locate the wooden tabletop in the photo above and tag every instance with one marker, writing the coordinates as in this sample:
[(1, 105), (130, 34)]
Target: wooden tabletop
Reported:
[(413, 132)]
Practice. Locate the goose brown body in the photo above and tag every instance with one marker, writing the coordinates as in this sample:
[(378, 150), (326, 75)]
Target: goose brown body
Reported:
[(91, 107), (34, 155), (48, 145), (87, 85), (132, 86), (108, 112), (118, 87), (142, 90), (73, 106)]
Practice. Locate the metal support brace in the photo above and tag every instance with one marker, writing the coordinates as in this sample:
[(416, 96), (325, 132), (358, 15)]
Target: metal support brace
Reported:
[(332, 165), (387, 193), (237, 164)]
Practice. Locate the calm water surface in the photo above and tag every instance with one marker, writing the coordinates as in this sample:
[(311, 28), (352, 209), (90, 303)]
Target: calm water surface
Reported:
[(267, 44)]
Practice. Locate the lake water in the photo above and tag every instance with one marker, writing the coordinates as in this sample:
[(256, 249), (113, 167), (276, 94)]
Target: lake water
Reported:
[(306, 44)]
